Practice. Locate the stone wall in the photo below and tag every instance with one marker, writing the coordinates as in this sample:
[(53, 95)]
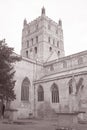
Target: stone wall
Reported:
[(24, 68), (66, 101)]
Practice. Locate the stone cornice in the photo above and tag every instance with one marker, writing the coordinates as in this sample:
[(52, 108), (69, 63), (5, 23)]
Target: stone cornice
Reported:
[(65, 70), (60, 77)]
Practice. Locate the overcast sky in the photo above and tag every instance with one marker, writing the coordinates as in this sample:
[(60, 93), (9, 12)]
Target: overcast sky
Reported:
[(73, 14)]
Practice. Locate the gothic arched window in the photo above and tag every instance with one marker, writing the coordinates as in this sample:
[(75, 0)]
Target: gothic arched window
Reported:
[(79, 85), (25, 90), (70, 86), (40, 93), (35, 50), (50, 49), (55, 93), (58, 53), (27, 54)]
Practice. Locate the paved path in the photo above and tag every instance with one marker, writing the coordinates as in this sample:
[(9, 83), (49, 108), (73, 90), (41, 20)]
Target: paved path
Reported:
[(27, 125), (34, 125)]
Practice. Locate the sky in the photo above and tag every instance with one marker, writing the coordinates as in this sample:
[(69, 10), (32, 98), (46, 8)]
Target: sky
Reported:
[(73, 14)]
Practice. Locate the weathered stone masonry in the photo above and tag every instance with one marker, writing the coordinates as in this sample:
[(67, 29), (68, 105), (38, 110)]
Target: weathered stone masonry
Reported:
[(47, 81)]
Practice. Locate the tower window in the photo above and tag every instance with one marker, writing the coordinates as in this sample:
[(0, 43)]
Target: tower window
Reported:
[(27, 54), (58, 53), (35, 50), (36, 39), (32, 41), (50, 48), (49, 39)]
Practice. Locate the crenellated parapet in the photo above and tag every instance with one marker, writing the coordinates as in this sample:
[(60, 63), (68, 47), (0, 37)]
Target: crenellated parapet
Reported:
[(67, 64)]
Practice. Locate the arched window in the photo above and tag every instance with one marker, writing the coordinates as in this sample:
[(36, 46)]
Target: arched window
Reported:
[(70, 86), (27, 54), (79, 85), (35, 50), (50, 49), (40, 93), (25, 90), (32, 41), (55, 93)]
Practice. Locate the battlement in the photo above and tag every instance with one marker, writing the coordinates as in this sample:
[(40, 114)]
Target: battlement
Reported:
[(65, 64)]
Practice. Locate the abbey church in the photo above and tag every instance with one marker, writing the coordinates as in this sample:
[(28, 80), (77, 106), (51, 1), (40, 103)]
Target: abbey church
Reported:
[(47, 81)]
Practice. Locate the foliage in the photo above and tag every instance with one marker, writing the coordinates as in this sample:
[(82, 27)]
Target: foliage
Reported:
[(7, 82)]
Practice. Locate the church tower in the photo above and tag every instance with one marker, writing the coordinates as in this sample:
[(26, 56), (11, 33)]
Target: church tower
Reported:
[(41, 38)]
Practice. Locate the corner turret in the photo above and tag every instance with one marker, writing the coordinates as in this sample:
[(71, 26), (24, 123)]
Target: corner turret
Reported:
[(43, 11), (60, 22), (25, 22)]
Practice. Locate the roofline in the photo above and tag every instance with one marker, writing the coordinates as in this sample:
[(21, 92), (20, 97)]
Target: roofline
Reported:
[(66, 58), (29, 60)]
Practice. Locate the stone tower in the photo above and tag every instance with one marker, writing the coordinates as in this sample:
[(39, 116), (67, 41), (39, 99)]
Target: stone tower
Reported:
[(41, 38)]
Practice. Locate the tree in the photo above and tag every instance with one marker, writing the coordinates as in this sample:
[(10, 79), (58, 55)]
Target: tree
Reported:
[(7, 82)]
